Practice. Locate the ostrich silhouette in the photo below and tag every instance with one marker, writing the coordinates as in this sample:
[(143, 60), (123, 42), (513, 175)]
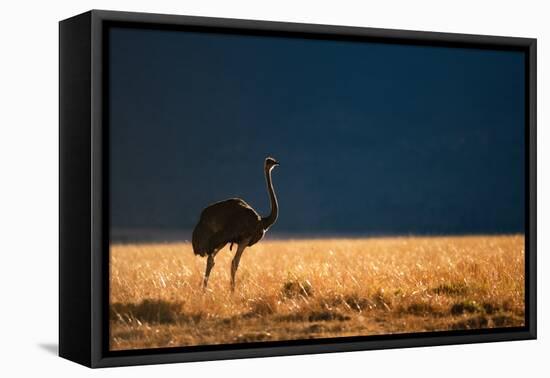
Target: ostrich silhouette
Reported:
[(233, 221)]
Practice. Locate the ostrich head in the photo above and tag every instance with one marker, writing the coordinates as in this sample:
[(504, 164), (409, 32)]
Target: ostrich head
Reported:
[(270, 163)]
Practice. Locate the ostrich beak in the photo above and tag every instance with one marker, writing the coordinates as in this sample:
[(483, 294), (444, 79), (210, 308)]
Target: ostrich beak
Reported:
[(277, 163)]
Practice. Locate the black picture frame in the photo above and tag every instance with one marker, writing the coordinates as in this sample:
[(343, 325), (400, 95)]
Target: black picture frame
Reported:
[(83, 195)]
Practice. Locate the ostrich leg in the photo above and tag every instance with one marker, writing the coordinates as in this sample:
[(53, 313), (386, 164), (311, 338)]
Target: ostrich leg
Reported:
[(209, 266), (235, 262)]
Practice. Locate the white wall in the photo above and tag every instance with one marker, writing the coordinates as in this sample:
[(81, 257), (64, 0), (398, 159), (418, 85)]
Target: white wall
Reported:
[(29, 190)]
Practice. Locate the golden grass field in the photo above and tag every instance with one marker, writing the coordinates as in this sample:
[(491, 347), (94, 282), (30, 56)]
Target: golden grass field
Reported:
[(317, 288)]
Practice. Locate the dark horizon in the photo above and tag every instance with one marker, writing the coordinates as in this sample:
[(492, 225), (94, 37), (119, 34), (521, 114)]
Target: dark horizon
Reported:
[(373, 139), (154, 236)]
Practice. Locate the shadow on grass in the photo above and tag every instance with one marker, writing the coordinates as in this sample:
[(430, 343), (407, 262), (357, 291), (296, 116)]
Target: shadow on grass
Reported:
[(151, 311)]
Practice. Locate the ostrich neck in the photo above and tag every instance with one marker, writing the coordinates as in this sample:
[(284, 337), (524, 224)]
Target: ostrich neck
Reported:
[(272, 217)]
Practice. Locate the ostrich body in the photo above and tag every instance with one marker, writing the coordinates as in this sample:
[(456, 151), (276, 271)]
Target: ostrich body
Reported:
[(233, 221)]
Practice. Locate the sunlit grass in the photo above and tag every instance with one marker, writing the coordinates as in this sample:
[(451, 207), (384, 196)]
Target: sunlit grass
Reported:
[(296, 289)]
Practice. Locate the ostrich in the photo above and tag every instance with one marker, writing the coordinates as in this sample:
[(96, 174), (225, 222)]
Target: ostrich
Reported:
[(233, 221)]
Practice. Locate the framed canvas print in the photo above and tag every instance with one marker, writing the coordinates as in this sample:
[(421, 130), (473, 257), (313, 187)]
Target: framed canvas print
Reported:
[(234, 188)]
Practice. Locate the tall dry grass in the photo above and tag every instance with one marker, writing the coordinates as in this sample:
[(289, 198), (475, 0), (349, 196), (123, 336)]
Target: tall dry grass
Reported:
[(297, 289)]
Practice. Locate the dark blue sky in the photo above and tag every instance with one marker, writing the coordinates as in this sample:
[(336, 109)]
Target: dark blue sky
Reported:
[(372, 138)]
